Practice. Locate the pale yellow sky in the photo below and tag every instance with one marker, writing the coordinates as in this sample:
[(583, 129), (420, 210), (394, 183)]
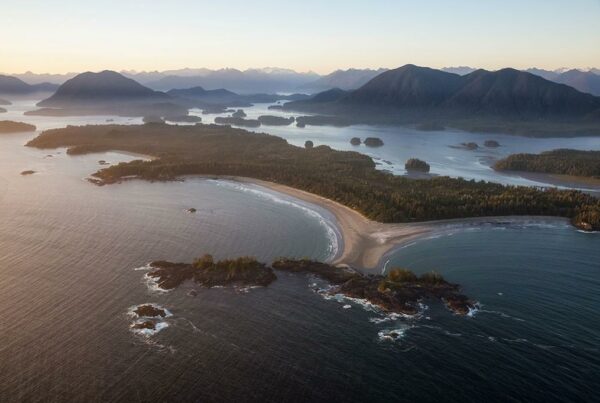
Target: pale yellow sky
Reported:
[(73, 36)]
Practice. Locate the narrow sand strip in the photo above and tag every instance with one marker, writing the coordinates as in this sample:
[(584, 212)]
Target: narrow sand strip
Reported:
[(366, 242)]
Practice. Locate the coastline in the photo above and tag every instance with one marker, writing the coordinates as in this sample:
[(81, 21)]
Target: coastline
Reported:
[(366, 243)]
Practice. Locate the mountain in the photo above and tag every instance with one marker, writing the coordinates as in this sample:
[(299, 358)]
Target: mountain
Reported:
[(110, 93), (460, 70), (343, 79), (584, 81), (507, 98), (106, 86), (14, 86), (547, 74), (243, 82), (510, 92), (409, 86)]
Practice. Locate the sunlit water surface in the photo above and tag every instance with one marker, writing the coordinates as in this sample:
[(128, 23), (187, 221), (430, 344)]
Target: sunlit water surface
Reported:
[(69, 252)]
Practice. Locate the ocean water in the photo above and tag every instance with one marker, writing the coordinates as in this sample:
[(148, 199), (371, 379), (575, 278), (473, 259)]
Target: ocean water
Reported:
[(438, 148), (72, 258)]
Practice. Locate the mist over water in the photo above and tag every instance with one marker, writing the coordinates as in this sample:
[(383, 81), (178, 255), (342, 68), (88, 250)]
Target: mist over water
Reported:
[(69, 253)]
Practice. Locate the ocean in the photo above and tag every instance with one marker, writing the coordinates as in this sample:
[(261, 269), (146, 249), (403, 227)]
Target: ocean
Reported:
[(72, 258)]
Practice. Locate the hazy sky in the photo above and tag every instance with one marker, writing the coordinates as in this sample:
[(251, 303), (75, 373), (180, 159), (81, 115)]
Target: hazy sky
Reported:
[(65, 35)]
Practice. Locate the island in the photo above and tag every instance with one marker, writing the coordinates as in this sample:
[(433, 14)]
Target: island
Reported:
[(400, 291), (239, 114), (346, 178), (418, 165), (491, 144), (237, 121), (355, 141), (269, 120), (560, 161), (28, 172), (9, 126), (373, 142), (2, 110), (5, 102), (149, 311), (206, 272)]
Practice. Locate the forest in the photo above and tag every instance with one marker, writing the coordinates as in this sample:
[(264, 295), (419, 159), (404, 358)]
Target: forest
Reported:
[(347, 177), (561, 161)]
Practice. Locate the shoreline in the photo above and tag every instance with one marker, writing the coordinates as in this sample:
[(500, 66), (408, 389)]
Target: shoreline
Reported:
[(364, 243)]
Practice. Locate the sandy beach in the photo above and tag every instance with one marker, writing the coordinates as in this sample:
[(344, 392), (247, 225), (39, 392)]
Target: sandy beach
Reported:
[(366, 242)]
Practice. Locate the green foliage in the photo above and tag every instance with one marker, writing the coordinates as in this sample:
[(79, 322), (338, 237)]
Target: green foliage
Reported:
[(415, 164), (432, 278), (402, 276), (562, 162), (347, 177)]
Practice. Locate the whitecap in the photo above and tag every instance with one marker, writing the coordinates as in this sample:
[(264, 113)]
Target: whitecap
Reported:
[(393, 334), (152, 285), (149, 332)]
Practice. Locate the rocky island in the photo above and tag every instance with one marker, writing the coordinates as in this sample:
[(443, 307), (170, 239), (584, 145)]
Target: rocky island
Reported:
[(205, 271), (418, 165), (355, 141), (9, 126), (491, 144), (373, 142), (400, 291)]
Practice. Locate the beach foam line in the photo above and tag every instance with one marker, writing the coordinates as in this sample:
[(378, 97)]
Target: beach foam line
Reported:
[(308, 209)]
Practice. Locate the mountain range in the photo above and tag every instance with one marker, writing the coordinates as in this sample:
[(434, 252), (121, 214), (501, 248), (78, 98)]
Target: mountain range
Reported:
[(273, 80), (13, 86), (417, 94), (584, 81)]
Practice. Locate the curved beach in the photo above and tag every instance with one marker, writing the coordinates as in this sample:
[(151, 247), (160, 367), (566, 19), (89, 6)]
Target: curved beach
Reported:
[(365, 242)]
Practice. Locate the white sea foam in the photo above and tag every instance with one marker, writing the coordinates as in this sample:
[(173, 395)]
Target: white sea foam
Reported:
[(152, 285), (330, 228), (393, 334), (146, 267), (149, 332)]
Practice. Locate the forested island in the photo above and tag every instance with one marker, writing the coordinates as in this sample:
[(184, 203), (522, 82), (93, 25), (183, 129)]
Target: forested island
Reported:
[(415, 164), (205, 271), (346, 177), (9, 126), (561, 162)]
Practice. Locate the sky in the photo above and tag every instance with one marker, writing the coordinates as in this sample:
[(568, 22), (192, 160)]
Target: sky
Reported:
[(59, 36)]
